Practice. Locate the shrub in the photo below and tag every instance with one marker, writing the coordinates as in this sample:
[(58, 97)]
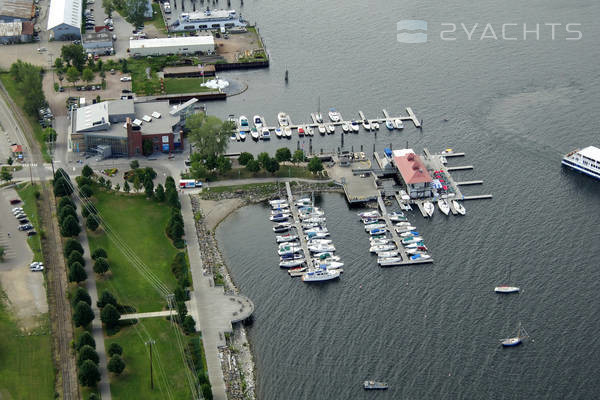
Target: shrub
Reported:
[(189, 325), (92, 222), (99, 252)]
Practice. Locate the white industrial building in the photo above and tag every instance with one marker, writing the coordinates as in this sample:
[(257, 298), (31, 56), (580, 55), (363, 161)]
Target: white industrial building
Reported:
[(64, 19), (174, 45)]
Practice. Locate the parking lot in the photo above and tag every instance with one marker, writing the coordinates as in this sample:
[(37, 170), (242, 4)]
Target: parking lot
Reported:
[(24, 288)]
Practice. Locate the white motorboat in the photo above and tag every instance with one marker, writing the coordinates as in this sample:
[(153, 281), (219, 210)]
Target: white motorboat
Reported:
[(305, 201), (396, 216), (415, 245), (443, 206), (242, 135), (375, 125), (297, 271), (309, 131), (286, 238), (586, 161), (409, 234), (291, 263), (280, 206), (506, 289), (280, 210), (354, 126), (369, 214), (291, 256), (402, 229), (278, 132), (403, 223), (310, 225), (318, 220), (459, 207), (382, 247), (411, 252), (328, 265), (334, 115), (389, 124), (281, 217), (277, 202), (243, 123), (366, 125), (320, 275), (315, 241), (322, 129), (258, 122), (289, 250), (429, 208), (283, 119), (282, 227), (389, 261), (255, 134), (345, 127), (317, 229), (320, 248), (327, 256), (265, 134), (376, 241), (287, 131), (301, 131), (370, 227), (317, 235), (378, 231), (319, 117), (384, 254), (415, 257), (330, 128), (398, 123), (412, 239)]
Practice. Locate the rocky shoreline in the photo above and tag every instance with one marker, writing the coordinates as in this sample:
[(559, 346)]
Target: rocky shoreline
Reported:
[(210, 208)]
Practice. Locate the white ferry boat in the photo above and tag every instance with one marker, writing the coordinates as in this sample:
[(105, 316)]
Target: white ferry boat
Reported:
[(586, 161), (207, 19)]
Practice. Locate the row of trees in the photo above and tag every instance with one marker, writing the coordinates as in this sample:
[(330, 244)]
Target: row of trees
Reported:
[(210, 137), (29, 82)]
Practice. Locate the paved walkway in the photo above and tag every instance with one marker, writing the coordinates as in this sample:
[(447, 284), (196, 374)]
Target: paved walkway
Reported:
[(212, 309), (97, 333), (249, 181), (154, 314)]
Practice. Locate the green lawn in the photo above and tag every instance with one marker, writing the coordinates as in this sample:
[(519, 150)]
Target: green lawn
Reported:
[(27, 193), (157, 19), (285, 171), (185, 85), (140, 224), (15, 93), (26, 369), (134, 382)]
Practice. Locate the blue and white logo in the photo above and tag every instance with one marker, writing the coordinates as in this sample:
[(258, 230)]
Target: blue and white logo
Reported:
[(411, 31)]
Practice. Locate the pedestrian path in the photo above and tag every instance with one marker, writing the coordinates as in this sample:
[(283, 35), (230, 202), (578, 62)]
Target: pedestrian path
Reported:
[(165, 313)]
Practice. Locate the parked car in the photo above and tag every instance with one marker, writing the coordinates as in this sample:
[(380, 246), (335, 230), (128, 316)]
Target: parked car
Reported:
[(16, 208), (15, 201), (126, 79), (36, 266), (25, 227), (23, 221), (31, 233), (126, 91), (20, 216)]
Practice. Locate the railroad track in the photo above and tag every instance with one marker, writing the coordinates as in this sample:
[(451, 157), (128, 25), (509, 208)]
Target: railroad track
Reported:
[(60, 311)]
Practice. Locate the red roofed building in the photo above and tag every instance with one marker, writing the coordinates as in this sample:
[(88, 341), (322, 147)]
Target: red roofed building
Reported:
[(413, 172)]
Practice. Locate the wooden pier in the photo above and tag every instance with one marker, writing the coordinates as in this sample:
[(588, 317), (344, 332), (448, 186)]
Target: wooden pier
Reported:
[(459, 168), (406, 260), (477, 197), (298, 225), (466, 183)]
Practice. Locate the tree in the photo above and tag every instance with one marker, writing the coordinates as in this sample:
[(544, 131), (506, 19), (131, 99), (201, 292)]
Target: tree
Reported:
[(173, 199), (5, 175), (86, 191), (116, 364), (263, 158), (99, 252), (159, 193), (71, 245), (299, 156), (62, 187), (29, 84), (175, 230), (198, 170), (189, 325), (49, 134), (81, 295), (75, 256), (126, 187), (85, 339), (253, 166), (118, 187), (65, 211), (92, 223), (206, 391), (136, 11), (74, 54), (72, 74), (82, 180), (245, 157), (69, 227), (9, 160), (170, 183), (110, 316), (101, 265), (115, 348), (93, 396), (148, 187), (223, 164), (209, 134), (135, 164), (87, 75), (283, 154), (65, 201), (315, 165), (83, 314), (87, 353), (107, 298), (137, 184), (272, 165), (58, 64), (77, 273), (89, 374), (147, 147), (87, 171), (108, 7)]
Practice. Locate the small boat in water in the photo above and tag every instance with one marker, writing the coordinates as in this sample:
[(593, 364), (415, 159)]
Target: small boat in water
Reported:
[(376, 241), (243, 123), (317, 229), (322, 129), (366, 124), (291, 256), (409, 233), (375, 125), (287, 131), (389, 124), (406, 228), (320, 275), (258, 121), (516, 340), (389, 253), (370, 227), (283, 119), (377, 232), (330, 128), (398, 123), (375, 385), (411, 239), (443, 206), (506, 289), (415, 245), (278, 132), (317, 241), (334, 115), (320, 248), (459, 207), (283, 227), (369, 214), (291, 263), (254, 133), (319, 117), (429, 208), (298, 271), (345, 127), (309, 131), (286, 238), (389, 261), (265, 134), (420, 257), (327, 256), (301, 131), (279, 217), (377, 248), (354, 126)]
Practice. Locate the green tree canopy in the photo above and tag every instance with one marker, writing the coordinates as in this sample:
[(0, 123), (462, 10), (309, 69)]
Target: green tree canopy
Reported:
[(315, 165), (65, 211), (99, 252), (272, 165), (136, 11), (65, 201), (245, 157), (209, 134), (75, 256), (107, 298), (69, 226), (29, 82), (87, 75), (49, 134), (85, 339), (81, 295), (299, 156), (83, 314), (87, 353), (223, 164), (72, 74), (135, 164), (110, 315), (159, 193), (101, 265), (148, 187), (116, 365), (253, 166), (62, 187), (189, 325), (73, 54), (263, 158), (88, 374), (87, 171), (126, 187), (72, 244), (77, 273), (115, 348), (92, 222), (283, 154), (86, 191)]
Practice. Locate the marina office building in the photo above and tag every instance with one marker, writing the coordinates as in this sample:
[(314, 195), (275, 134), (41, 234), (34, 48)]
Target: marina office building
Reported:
[(208, 19), (119, 128), (413, 172)]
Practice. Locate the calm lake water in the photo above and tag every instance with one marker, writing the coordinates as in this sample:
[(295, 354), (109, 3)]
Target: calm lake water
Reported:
[(514, 107)]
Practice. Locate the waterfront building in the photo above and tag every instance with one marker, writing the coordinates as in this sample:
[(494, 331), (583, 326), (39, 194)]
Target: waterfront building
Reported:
[(16, 10), (174, 45), (208, 19), (64, 19), (413, 173)]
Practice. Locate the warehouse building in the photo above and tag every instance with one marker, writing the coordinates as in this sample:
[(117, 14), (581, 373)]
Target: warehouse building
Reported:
[(124, 125), (64, 19), (16, 32), (174, 45), (16, 10), (99, 43)]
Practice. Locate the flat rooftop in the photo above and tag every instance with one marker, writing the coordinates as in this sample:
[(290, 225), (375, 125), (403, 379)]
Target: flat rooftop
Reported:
[(174, 41), (164, 124), (17, 8)]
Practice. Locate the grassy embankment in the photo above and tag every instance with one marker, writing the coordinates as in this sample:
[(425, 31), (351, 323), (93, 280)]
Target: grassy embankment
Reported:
[(140, 224), (15, 94), (27, 192)]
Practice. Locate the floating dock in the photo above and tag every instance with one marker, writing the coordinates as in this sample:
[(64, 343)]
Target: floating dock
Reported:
[(466, 183), (459, 168), (298, 225)]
